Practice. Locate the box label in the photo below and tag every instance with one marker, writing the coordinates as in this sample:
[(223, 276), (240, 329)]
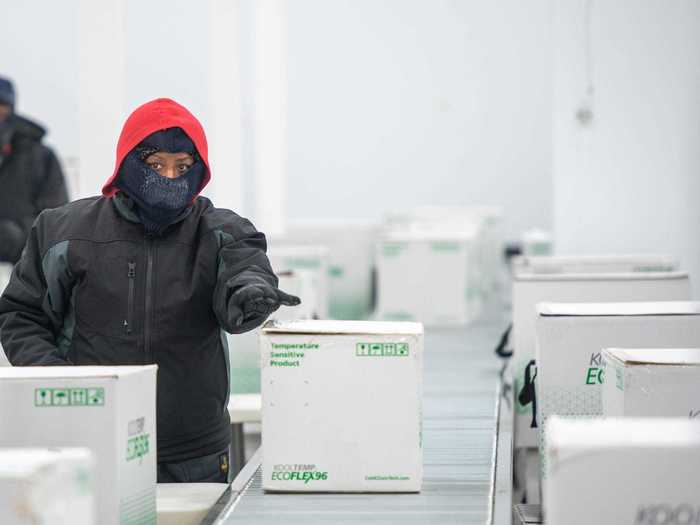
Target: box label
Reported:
[(300, 473), (290, 354), (381, 349), (69, 397)]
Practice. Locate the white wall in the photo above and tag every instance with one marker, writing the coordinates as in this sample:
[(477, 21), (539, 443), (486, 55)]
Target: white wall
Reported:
[(629, 182), (407, 102), (39, 51)]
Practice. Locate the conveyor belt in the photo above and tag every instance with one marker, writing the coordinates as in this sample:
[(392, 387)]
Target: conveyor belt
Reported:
[(460, 410)]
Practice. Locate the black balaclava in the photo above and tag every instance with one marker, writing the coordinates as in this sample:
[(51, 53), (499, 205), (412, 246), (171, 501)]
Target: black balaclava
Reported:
[(160, 201)]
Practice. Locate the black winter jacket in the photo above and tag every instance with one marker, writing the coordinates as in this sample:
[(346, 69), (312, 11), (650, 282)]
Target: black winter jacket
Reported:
[(30, 181), (91, 288)]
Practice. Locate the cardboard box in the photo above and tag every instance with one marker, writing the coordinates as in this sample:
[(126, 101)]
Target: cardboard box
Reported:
[(488, 222), (350, 245), (428, 276), (286, 258), (528, 290), (244, 349), (46, 486), (109, 410), (623, 471), (571, 338), (559, 264), (652, 382), (342, 406)]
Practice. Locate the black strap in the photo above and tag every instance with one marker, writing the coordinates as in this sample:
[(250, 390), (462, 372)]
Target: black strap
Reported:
[(503, 343), (528, 395)]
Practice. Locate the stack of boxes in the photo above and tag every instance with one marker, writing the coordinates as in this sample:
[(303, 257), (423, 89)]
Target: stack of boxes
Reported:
[(600, 345), (530, 289), (571, 338), (350, 245), (438, 265), (108, 410)]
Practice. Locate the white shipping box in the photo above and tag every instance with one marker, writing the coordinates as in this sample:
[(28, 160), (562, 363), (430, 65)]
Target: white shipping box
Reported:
[(558, 264), (109, 410), (428, 276), (46, 486), (571, 338), (350, 245), (314, 260), (652, 382), (528, 290), (488, 221), (623, 471), (342, 406)]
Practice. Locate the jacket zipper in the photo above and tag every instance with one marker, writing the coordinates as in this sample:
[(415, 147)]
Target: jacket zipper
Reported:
[(131, 274), (149, 301)]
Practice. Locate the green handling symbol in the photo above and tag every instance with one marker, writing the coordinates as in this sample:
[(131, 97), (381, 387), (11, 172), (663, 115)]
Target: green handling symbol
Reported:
[(60, 397), (402, 349), (78, 396), (95, 396), (375, 349), (389, 349), (362, 349), (42, 397)]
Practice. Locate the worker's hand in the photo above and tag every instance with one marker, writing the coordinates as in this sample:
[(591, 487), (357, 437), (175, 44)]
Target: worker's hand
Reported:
[(257, 301)]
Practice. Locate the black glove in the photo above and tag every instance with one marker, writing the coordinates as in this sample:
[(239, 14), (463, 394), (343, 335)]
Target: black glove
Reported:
[(256, 302), (12, 241)]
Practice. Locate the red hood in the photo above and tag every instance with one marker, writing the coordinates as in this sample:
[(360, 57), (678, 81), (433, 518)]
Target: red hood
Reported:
[(157, 115)]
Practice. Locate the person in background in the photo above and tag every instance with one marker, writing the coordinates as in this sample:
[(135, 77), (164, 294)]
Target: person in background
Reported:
[(30, 176), (148, 272)]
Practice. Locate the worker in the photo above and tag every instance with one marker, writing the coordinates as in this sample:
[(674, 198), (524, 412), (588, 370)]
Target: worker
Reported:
[(30, 175), (149, 272)]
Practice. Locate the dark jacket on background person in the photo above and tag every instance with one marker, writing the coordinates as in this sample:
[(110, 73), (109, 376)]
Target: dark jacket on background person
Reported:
[(30, 181), (93, 288)]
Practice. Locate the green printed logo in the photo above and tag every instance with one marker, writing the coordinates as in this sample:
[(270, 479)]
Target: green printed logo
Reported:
[(137, 447), (596, 370), (69, 397), (381, 349), (303, 473)]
